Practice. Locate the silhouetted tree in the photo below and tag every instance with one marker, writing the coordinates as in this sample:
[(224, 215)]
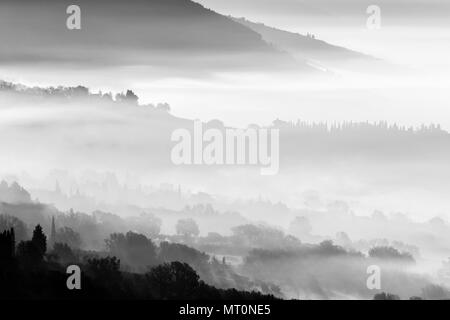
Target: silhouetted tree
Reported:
[(132, 248), (170, 252), (7, 245), (390, 253), (29, 254), (174, 281), (20, 229), (104, 268), (262, 236), (39, 240), (68, 236), (129, 97), (63, 253)]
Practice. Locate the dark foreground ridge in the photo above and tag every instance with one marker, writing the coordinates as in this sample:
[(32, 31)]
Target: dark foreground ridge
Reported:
[(27, 271)]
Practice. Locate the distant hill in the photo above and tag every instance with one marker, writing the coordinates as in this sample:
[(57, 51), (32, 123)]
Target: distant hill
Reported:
[(150, 128), (175, 33), (308, 47)]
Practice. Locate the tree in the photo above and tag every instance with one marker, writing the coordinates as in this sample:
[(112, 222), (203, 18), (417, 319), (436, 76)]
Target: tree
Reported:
[(104, 267), (146, 223), (7, 245), (187, 228), (7, 222), (390, 253), (170, 252), (68, 236), (328, 248), (29, 255), (63, 253), (133, 248), (39, 240), (261, 236), (129, 97), (174, 281), (106, 274)]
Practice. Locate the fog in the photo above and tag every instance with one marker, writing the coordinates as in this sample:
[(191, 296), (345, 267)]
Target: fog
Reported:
[(86, 123)]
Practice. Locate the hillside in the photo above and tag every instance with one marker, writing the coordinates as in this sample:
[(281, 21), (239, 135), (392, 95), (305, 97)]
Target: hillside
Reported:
[(156, 32), (309, 47)]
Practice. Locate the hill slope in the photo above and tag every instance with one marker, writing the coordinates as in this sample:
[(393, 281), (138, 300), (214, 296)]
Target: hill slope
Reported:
[(307, 47), (156, 32)]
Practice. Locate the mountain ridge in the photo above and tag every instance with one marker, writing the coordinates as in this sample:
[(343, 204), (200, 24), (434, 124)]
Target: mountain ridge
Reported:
[(175, 33), (155, 32), (307, 47)]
